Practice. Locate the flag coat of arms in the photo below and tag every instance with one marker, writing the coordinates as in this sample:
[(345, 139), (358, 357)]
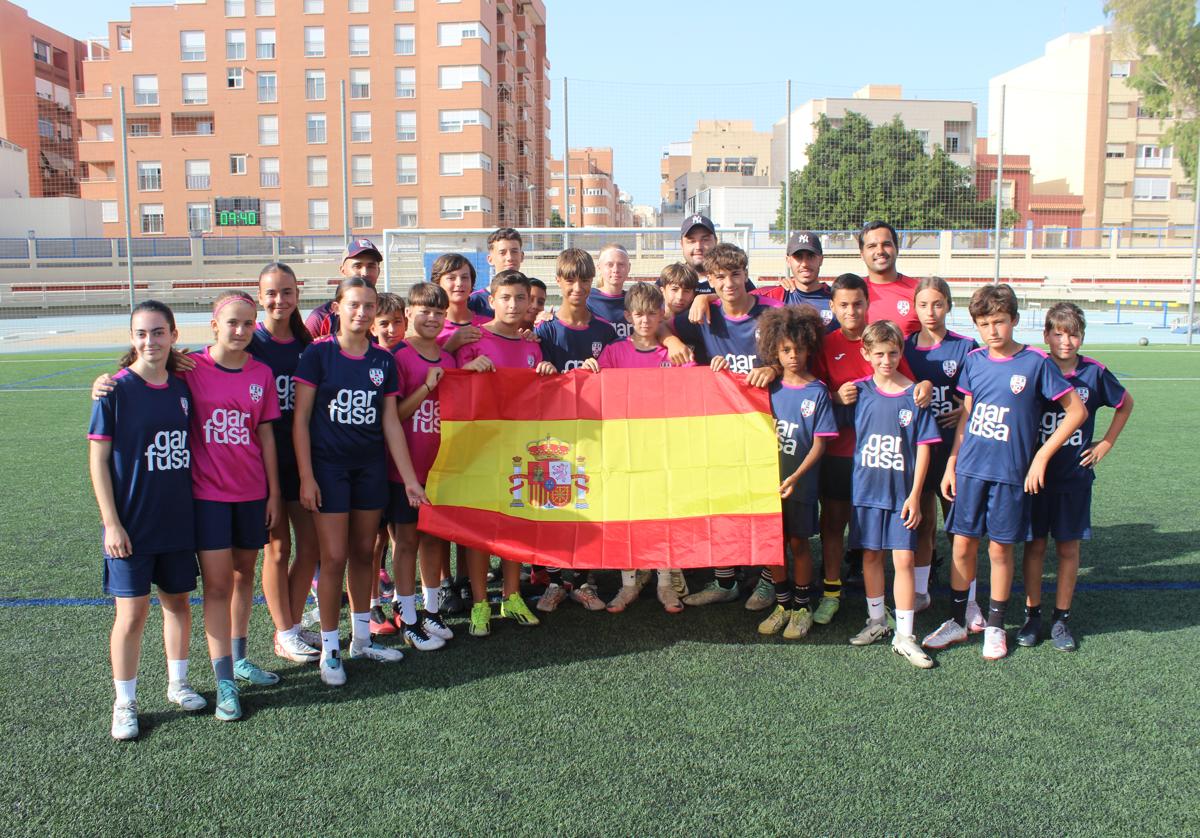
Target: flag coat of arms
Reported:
[(640, 468)]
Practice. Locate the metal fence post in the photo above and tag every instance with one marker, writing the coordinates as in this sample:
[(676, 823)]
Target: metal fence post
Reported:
[(999, 186), (128, 218)]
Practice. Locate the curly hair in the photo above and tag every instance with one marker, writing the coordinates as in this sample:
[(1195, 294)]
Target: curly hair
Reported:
[(800, 324)]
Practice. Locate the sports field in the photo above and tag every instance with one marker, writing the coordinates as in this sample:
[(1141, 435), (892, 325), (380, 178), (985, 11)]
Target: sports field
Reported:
[(638, 723)]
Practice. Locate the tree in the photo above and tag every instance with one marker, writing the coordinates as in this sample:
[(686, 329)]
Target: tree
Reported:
[(1166, 37), (857, 172), (556, 220)]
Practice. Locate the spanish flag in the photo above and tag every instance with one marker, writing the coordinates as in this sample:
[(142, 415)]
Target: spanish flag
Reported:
[(639, 468)]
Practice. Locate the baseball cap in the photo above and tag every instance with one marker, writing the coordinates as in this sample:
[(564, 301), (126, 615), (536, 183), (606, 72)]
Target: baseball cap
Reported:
[(357, 247), (804, 240), (696, 220)]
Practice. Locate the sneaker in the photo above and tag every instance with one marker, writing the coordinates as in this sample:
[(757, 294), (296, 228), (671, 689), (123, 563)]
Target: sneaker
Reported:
[(251, 673), (826, 609), (947, 634), (995, 643), (515, 607), (669, 598), (311, 619), (310, 638), (799, 623), (763, 596), (416, 637), (229, 701), (386, 586), (481, 619), (181, 693), (381, 624), (975, 621), (679, 583), (921, 602), (551, 598), (465, 595), (624, 598), (906, 646), (451, 602), (1031, 631), (874, 630), (292, 648), (586, 596), (333, 674), (1061, 637), (125, 721), (711, 593), (375, 652), (434, 625), (775, 622)]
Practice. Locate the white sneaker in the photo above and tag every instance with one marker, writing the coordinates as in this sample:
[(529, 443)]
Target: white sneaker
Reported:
[(311, 619), (416, 637), (125, 721), (291, 647), (375, 652), (551, 598), (181, 693), (763, 596), (975, 621), (995, 643), (586, 596), (624, 598), (921, 602), (906, 646), (434, 625), (333, 674), (946, 634)]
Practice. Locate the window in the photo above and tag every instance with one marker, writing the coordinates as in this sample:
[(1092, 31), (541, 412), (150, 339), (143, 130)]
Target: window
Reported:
[(124, 39), (406, 168), (450, 122), (406, 39), (195, 89), (1155, 157), (404, 5), (595, 210), (364, 213), (199, 217), (453, 34), (264, 8), (152, 217), (272, 216), (356, 6), (315, 128), (452, 208), (953, 142), (314, 41), (268, 172), (454, 77), (144, 128), (233, 78), (318, 171), (593, 192), (149, 176), (45, 128), (1119, 70), (104, 131), (1114, 150), (191, 45), (360, 40), (406, 212), (318, 214), (235, 44), (1151, 188), (314, 85), (268, 89), (108, 212), (41, 51), (406, 126), (361, 170), (235, 8), (360, 127), (457, 163), (196, 174), (1118, 110), (360, 84), (145, 90), (264, 43), (314, 7), (237, 164), (406, 83), (1007, 195), (268, 130), (1114, 190)]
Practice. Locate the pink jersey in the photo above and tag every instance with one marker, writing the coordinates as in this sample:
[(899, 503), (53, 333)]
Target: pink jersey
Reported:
[(229, 405), (509, 353), (623, 355), (450, 327), (422, 430)]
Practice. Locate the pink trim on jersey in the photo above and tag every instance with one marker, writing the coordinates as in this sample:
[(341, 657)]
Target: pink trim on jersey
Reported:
[(162, 386), (267, 332), (346, 354), (582, 328), (956, 334), (931, 441), (1124, 396), (99, 436), (1060, 395), (610, 296), (1088, 360), (827, 433), (1041, 352), (787, 386), (300, 380)]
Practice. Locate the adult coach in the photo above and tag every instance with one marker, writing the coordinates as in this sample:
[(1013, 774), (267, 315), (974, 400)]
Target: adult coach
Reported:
[(360, 258), (505, 252), (891, 292), (803, 284)]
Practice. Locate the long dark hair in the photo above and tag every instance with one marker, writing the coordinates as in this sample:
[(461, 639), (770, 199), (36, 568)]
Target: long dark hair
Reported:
[(295, 322), (158, 308)]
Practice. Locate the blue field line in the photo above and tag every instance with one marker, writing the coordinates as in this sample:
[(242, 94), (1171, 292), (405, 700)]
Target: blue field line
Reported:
[(55, 374)]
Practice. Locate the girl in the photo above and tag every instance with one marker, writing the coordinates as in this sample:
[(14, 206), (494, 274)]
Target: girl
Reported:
[(936, 354), (456, 276), (141, 472), (345, 410)]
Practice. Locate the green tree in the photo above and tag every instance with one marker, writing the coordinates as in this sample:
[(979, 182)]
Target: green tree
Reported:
[(556, 220), (857, 172), (1166, 38)]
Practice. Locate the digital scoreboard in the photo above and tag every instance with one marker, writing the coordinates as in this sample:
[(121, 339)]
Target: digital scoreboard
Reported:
[(237, 212)]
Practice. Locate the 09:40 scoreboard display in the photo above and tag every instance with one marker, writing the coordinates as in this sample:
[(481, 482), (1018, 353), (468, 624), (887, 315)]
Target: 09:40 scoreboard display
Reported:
[(237, 212)]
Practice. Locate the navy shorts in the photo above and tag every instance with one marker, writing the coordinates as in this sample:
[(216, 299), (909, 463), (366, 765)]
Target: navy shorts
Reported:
[(985, 507), (342, 489), (799, 519), (1067, 516), (836, 481), (289, 481), (172, 573), (221, 525), (399, 510), (880, 529), (938, 455)]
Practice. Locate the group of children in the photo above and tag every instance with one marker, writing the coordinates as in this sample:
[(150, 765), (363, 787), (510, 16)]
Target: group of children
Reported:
[(315, 449)]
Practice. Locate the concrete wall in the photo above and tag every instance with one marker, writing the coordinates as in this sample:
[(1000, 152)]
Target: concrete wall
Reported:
[(68, 218), (14, 171)]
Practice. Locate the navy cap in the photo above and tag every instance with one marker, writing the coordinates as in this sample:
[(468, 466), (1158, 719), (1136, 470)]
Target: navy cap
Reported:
[(804, 240), (696, 220)]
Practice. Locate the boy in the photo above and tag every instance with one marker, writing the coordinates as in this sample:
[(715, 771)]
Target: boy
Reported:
[(678, 283), (1064, 509), (360, 258), (501, 346), (606, 300), (990, 473), (504, 253), (537, 303)]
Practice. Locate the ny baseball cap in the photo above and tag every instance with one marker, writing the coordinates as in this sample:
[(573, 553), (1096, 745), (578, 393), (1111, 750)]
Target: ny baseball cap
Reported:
[(696, 220), (357, 247), (804, 240)]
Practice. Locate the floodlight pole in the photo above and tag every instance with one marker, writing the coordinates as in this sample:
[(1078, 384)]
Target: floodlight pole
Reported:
[(128, 220), (999, 185), (566, 196), (345, 185), (787, 166), (1195, 239)]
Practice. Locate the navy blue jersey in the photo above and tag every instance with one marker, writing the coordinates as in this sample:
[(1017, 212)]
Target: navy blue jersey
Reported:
[(281, 356), (151, 463), (478, 303), (705, 287), (1006, 409), (1097, 387), (801, 414), (734, 337), (567, 347), (888, 427), (610, 307), (821, 299), (347, 417), (940, 365)]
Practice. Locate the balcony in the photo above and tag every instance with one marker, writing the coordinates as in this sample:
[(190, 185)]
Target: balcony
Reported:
[(143, 127), (198, 181), (504, 112), (268, 180), (192, 124)]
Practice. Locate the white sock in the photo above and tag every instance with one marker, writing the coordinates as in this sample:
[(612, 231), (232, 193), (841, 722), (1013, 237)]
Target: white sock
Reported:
[(395, 597), (971, 592), (360, 629), (408, 608), (875, 609), (921, 579), (628, 578), (433, 599), (177, 671), (904, 622), (330, 643), (126, 690), (294, 631), (374, 602)]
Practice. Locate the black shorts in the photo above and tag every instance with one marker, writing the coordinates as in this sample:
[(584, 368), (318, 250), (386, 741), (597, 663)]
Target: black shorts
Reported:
[(836, 481), (399, 510), (343, 489), (173, 573), (289, 481), (938, 455), (221, 525)]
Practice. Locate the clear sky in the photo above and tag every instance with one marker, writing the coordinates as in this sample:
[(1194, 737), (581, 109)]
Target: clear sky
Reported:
[(641, 72)]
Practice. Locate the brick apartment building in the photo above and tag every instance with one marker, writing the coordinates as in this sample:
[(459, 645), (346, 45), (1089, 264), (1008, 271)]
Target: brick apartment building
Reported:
[(595, 200)]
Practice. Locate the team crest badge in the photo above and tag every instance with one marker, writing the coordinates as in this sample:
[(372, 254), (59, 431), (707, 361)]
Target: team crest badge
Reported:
[(376, 375), (903, 306), (807, 407), (549, 480), (826, 316), (597, 347), (905, 418), (1016, 384), (530, 362), (949, 368), (183, 402), (256, 393), (1083, 392)]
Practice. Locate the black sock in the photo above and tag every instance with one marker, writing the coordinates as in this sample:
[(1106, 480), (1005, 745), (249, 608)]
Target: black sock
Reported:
[(555, 577), (767, 576), (783, 592), (1061, 614), (726, 577), (833, 589), (1033, 612), (958, 607), (996, 608), (801, 595)]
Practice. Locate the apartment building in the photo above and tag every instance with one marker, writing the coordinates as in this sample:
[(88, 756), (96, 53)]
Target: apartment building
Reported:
[(40, 76), (234, 116), (593, 198), (720, 153)]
